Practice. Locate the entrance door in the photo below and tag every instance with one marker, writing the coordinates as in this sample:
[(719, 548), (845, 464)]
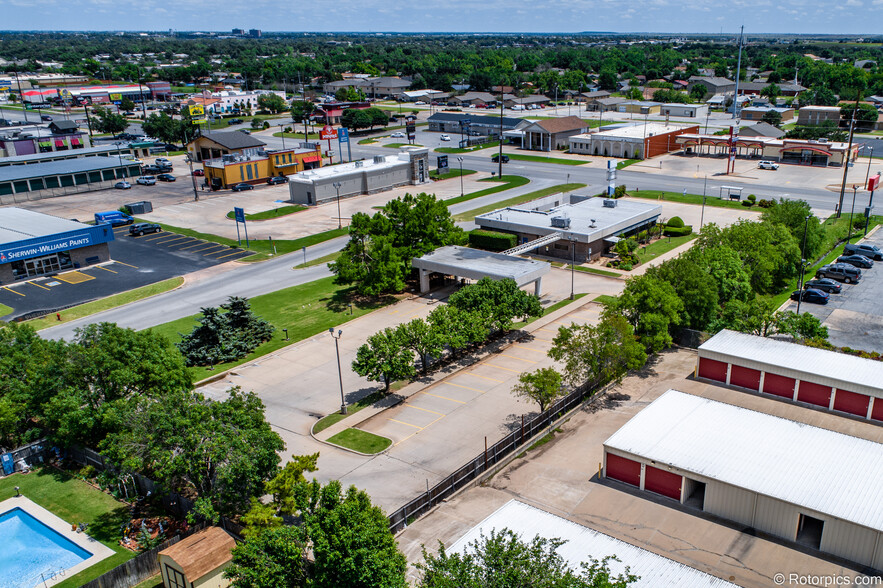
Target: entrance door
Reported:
[(809, 531), (694, 491)]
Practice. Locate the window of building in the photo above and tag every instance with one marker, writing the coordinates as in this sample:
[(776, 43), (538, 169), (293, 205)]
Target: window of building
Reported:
[(249, 172), (21, 186), (95, 176), (289, 158), (107, 174), (176, 578), (241, 173), (36, 184), (67, 181)]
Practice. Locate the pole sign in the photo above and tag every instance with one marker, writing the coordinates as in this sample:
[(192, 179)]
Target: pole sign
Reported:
[(873, 182), (411, 128), (116, 97), (196, 110), (328, 132), (442, 162), (240, 214), (343, 135)]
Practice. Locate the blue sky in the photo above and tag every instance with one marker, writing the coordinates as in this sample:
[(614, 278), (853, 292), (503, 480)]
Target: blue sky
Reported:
[(668, 16)]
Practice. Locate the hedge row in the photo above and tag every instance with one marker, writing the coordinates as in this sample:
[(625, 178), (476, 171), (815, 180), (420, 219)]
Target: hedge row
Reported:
[(670, 231), (491, 240)]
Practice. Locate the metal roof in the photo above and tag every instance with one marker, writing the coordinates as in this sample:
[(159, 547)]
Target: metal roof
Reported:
[(583, 543), (476, 264), (232, 139), (18, 224), (820, 470), (847, 372), (11, 173), (69, 154)]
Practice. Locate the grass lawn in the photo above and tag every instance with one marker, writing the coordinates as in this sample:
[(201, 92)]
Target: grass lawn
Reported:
[(540, 159), (320, 260), (335, 417), (689, 199), (398, 145), (361, 441), (270, 214), (505, 183), (305, 310), (660, 246), (552, 308), (470, 214), (153, 582), (597, 272), (292, 135), (4, 310), (105, 303), (604, 299), (75, 502), (626, 163), (468, 149), (368, 141), (454, 173)]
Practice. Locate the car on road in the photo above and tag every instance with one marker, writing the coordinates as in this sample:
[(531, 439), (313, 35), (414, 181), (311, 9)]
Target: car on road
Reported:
[(165, 178), (124, 185), (397, 135), (811, 295), (144, 228), (445, 138), (242, 186), (856, 260), (842, 272), (277, 180), (246, 131), (198, 172), (45, 117), (235, 121), (764, 164), (866, 249), (824, 284), (496, 158), (146, 180)]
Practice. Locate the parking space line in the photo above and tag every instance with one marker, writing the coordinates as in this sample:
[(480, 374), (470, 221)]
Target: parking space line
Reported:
[(13, 291), (212, 246), (196, 245), (520, 346), (547, 330), (406, 424), (160, 236), (541, 339), (518, 358), (126, 264), (74, 277), (464, 387), (482, 377), (38, 285), (172, 240), (229, 254), (425, 409), (444, 397), (191, 243), (105, 269), (499, 367)]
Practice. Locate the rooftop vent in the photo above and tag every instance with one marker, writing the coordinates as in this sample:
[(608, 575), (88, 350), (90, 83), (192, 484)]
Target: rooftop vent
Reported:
[(379, 158), (358, 163), (609, 203), (592, 226), (560, 222)]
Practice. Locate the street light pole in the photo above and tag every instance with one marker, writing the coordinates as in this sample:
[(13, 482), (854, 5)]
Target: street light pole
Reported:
[(572, 262), (339, 373), (702, 216), (339, 218), (851, 212), (460, 159), (189, 159), (801, 276), (870, 158), (282, 129)]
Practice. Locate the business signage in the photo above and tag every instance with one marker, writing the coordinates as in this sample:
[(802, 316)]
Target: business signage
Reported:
[(196, 110), (442, 162), (116, 97), (873, 182), (328, 133), (40, 247), (343, 135), (240, 214)]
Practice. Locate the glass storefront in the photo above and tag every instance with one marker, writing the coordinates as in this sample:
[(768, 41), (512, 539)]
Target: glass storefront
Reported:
[(40, 266)]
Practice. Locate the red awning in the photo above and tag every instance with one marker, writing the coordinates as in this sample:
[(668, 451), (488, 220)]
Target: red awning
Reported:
[(75, 141), (310, 158), (59, 143), (805, 148)]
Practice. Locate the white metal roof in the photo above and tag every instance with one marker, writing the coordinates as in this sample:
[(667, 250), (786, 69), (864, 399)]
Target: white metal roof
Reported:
[(847, 372), (583, 543), (18, 224), (476, 264), (817, 469)]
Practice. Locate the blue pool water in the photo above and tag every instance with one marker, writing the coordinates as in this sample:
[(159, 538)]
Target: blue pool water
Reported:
[(29, 548)]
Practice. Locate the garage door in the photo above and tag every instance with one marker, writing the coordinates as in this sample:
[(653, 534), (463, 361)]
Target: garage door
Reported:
[(814, 394), (851, 402), (624, 470), (778, 385), (877, 411), (745, 377), (663, 482), (712, 369)]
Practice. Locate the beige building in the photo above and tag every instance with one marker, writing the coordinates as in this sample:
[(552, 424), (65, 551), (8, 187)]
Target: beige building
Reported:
[(816, 115), (198, 561), (796, 151)]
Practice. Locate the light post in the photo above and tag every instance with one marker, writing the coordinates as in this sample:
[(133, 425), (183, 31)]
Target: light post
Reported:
[(189, 159), (572, 262), (702, 216), (339, 218), (802, 264), (282, 129), (339, 373), (870, 158), (851, 212), (460, 160)]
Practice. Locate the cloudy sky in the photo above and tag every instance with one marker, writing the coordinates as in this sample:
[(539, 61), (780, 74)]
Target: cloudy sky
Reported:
[(668, 16)]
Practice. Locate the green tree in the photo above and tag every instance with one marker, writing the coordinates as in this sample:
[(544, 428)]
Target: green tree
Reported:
[(823, 96), (106, 121), (797, 215), (772, 117), (286, 489), (226, 333), (725, 270), (126, 104), (697, 292), (458, 328), (504, 560), (385, 358), (164, 127), (424, 340), (273, 558), (652, 306), (543, 386), (634, 93), (772, 91), (301, 110), (698, 92), (607, 79), (800, 326), (597, 354), (500, 301), (272, 102), (756, 317)]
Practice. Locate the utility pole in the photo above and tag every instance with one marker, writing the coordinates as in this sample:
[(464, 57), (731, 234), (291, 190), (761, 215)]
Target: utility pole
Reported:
[(500, 155), (738, 71), (847, 154)]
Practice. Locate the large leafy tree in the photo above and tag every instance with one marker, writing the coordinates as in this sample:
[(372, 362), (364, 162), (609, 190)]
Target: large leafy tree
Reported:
[(697, 292), (271, 102), (164, 127), (104, 120), (501, 301), (301, 110), (287, 490), (226, 333), (652, 306), (543, 386), (272, 558), (797, 216), (724, 269), (504, 560), (424, 339), (756, 317), (385, 358)]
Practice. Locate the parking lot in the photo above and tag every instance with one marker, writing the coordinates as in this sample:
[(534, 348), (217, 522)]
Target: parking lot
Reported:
[(855, 316), (137, 261)]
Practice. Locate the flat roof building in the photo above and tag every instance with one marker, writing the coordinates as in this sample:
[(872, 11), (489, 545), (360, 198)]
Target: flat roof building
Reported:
[(640, 141), (258, 166), (475, 264), (135, 149), (20, 183), (820, 152), (33, 244), (592, 225), (798, 482)]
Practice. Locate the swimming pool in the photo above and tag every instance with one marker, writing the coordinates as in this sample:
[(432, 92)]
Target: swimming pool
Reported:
[(30, 548)]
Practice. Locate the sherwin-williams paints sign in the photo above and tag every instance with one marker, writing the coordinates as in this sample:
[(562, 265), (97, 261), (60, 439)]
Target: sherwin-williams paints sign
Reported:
[(54, 243)]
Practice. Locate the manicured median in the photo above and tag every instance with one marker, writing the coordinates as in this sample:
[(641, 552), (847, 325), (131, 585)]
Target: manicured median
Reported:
[(270, 214), (689, 199), (505, 183), (454, 173), (361, 441), (541, 159), (470, 214)]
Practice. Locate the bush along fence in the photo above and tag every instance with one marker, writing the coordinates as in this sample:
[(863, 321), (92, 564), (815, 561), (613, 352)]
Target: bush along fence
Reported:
[(486, 461)]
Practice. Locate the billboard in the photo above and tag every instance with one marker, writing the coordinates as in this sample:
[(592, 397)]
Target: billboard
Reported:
[(116, 97), (196, 110)]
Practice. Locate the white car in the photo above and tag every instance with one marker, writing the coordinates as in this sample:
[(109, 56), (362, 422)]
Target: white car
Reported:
[(768, 165), (162, 161), (146, 180), (398, 135), (445, 138), (420, 103), (122, 185)]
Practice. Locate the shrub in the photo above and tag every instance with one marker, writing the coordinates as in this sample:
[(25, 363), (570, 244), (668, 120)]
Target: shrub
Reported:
[(266, 125), (677, 231), (625, 267), (492, 240), (747, 203), (675, 222), (766, 203), (859, 222), (619, 191), (752, 197)]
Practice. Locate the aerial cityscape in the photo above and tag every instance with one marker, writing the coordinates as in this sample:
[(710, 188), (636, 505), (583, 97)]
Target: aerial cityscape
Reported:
[(397, 302)]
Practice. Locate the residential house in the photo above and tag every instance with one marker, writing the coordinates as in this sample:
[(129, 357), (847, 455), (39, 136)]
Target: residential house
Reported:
[(762, 129), (746, 88), (475, 98)]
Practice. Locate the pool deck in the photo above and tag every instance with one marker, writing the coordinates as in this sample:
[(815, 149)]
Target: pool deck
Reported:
[(98, 550)]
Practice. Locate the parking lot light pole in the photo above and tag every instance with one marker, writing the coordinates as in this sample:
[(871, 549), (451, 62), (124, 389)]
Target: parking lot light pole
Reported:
[(851, 212), (339, 218), (339, 373), (801, 277), (189, 159), (282, 132), (460, 159)]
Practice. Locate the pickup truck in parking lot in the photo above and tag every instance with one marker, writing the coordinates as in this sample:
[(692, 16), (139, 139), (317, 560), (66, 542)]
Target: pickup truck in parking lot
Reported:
[(842, 272), (866, 249)]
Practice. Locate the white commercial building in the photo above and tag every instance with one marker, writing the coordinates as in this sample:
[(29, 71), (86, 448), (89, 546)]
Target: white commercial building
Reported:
[(640, 141), (582, 543), (475, 264), (812, 486)]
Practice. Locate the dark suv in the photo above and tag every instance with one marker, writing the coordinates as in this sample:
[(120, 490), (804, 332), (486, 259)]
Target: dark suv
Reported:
[(841, 272), (496, 158), (866, 249), (144, 228)]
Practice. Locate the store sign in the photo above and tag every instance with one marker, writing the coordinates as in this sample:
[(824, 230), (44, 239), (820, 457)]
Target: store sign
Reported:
[(328, 133), (116, 97), (196, 110), (442, 162), (343, 135), (37, 247), (873, 182)]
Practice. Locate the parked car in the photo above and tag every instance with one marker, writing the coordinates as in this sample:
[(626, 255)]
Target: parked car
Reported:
[(235, 121), (146, 180), (823, 284), (144, 228), (150, 169), (114, 218), (45, 117), (445, 138), (124, 185), (856, 260), (397, 135), (866, 249), (277, 180), (162, 161), (246, 131), (165, 178), (242, 186), (496, 158), (198, 172), (764, 164), (814, 296), (841, 272)]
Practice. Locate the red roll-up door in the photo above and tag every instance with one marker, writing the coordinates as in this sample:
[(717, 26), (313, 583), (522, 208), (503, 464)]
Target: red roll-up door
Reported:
[(814, 394), (877, 411), (851, 402), (712, 369), (744, 377), (624, 470), (778, 385), (663, 482)]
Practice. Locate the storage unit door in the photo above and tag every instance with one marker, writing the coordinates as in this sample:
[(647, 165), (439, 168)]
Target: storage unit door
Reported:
[(663, 482), (745, 377), (624, 470), (778, 385), (814, 394), (877, 411), (712, 369), (851, 402)]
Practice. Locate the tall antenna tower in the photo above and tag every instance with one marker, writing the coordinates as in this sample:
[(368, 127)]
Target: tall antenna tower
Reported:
[(738, 71)]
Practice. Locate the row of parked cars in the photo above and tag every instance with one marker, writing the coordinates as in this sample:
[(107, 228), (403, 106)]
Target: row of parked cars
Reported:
[(847, 269)]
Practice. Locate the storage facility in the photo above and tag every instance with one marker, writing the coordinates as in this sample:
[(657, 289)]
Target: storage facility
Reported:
[(824, 379), (817, 488), (20, 183)]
